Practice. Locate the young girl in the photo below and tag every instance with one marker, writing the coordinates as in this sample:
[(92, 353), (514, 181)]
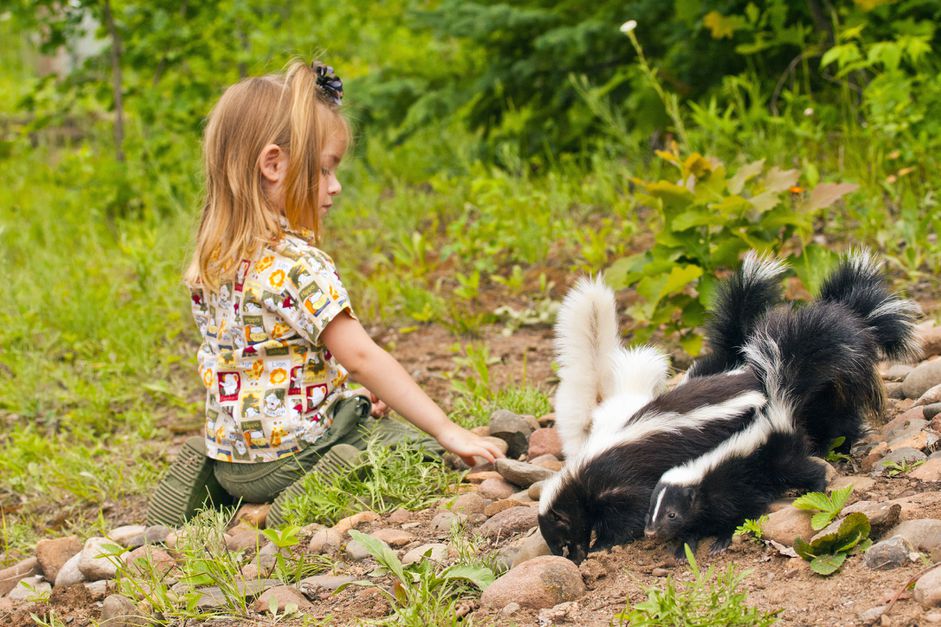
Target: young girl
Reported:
[(280, 339)]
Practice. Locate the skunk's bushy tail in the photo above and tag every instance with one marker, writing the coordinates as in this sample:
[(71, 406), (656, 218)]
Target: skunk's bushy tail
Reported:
[(859, 285), (819, 362), (741, 301), (586, 338)]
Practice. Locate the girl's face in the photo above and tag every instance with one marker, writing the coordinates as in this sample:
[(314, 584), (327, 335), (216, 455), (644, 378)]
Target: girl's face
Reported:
[(329, 185)]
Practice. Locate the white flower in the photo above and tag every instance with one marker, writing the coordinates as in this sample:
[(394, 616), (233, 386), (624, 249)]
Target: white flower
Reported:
[(809, 111), (628, 26)]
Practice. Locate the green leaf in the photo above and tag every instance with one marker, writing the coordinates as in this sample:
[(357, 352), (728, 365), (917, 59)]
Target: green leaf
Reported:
[(820, 520), (480, 576), (840, 497), (723, 26), (765, 201), (619, 274), (692, 344), (651, 288), (696, 216), (778, 180), (826, 565), (679, 278), (812, 501), (382, 553), (804, 549), (745, 174)]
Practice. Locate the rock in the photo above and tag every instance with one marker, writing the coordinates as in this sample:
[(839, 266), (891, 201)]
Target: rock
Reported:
[(53, 554), (122, 535), (149, 559), (521, 473), (399, 516), (548, 461), (929, 471), (510, 608), (325, 541), (470, 503), (888, 554), (930, 336), (12, 575), (253, 514), (530, 548), (509, 522), (660, 572), (872, 616), (92, 563), (244, 538), (896, 372), (120, 611), (875, 454), (538, 583), (901, 456), (33, 588), (561, 613), (496, 489), (481, 476), (323, 583), (522, 496), (350, 522), (932, 617), (787, 524), (213, 597), (155, 534), (921, 441), (928, 588), (438, 553), (546, 420), (393, 537), (922, 378), (931, 396), (881, 515), (512, 429), (894, 390), (931, 411), (69, 574), (97, 590), (923, 534), (503, 504), (535, 490), (860, 484), (444, 521), (832, 473), (279, 598), (544, 441)]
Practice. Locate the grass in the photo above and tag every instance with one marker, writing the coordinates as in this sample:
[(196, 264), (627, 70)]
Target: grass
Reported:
[(387, 479), (708, 599)]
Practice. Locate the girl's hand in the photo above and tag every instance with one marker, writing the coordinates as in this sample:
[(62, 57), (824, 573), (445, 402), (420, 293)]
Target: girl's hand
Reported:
[(467, 445), (379, 408)]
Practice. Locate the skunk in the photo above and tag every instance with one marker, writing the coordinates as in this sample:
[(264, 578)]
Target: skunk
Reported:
[(594, 367), (817, 367), (616, 447)]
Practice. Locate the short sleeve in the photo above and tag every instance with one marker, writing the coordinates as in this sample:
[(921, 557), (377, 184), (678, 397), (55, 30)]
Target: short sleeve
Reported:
[(314, 295)]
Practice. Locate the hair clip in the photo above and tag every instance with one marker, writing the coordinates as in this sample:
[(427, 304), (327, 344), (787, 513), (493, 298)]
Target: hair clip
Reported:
[(329, 83)]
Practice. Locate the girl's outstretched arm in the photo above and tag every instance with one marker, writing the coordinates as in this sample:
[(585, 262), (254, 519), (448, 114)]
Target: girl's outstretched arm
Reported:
[(371, 366)]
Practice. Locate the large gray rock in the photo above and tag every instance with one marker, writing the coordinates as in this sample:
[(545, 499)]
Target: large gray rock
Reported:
[(928, 588), (69, 574), (444, 521), (509, 522), (924, 377), (905, 455), (124, 535), (881, 515), (530, 548), (929, 471), (889, 554), (33, 588), (120, 611), (521, 473), (470, 503), (496, 489), (923, 534), (512, 429), (93, 563), (538, 583), (437, 552)]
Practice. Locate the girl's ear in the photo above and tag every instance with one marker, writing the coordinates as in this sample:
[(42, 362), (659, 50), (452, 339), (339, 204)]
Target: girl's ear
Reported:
[(272, 162)]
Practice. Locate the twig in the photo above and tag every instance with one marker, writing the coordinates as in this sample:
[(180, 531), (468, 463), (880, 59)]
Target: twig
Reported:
[(902, 590)]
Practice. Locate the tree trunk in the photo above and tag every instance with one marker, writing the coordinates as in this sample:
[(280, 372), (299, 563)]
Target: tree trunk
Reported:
[(116, 82)]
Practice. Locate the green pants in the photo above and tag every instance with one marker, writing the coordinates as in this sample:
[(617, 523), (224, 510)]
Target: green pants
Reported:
[(193, 479)]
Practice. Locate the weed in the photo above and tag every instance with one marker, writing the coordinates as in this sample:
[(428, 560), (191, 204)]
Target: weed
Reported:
[(290, 567), (752, 527), (827, 507), (424, 593), (903, 467), (833, 456), (708, 599), (827, 553)]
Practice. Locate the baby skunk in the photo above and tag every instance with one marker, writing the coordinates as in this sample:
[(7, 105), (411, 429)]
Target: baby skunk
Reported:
[(817, 366), (594, 367), (617, 444)]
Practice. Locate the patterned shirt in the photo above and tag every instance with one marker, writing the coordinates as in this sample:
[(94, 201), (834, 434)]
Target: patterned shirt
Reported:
[(269, 380)]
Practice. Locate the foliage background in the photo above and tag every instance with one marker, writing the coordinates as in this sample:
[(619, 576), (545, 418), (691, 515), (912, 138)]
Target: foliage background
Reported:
[(502, 148)]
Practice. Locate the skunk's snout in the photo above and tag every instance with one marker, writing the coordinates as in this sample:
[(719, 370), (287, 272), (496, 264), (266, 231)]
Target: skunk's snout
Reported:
[(649, 532)]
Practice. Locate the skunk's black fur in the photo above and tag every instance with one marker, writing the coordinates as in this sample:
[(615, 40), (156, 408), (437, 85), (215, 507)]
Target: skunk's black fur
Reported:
[(817, 366)]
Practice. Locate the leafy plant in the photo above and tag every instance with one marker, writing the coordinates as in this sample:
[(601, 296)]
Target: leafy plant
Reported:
[(902, 467), (708, 218), (423, 593), (827, 507), (290, 567), (752, 527), (833, 455), (827, 553), (709, 599)]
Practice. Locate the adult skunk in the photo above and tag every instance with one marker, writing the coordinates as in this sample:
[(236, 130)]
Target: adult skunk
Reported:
[(601, 383), (618, 444), (817, 366)]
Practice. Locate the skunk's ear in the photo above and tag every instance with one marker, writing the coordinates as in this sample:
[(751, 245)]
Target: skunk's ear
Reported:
[(692, 495)]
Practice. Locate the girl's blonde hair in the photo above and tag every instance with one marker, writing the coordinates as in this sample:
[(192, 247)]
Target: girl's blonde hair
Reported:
[(289, 110)]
